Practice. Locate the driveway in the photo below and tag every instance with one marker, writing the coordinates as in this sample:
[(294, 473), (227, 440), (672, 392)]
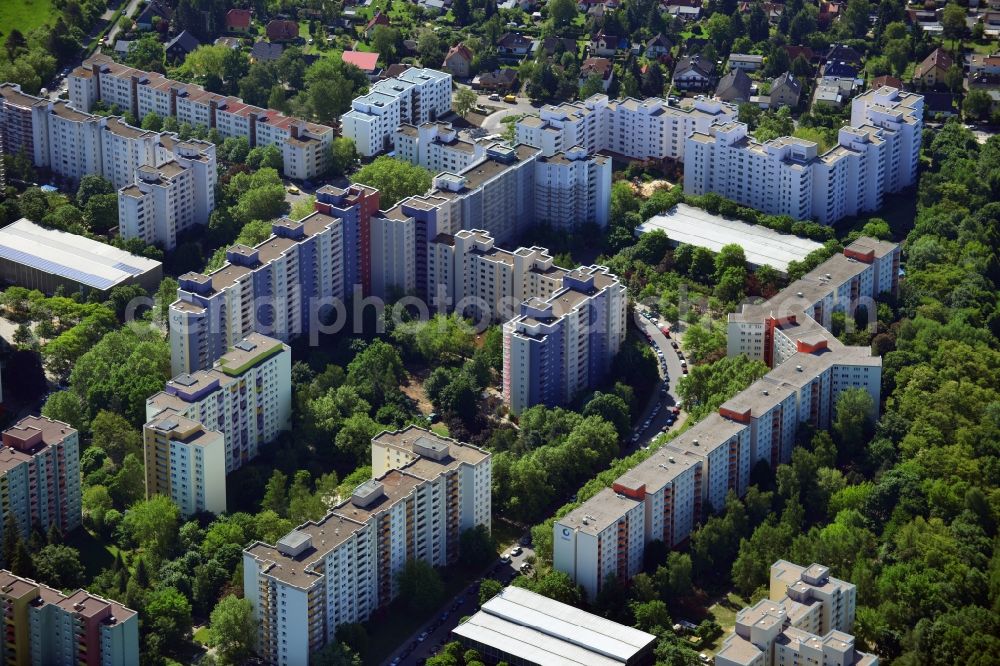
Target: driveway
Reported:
[(446, 618), (492, 122), (659, 405)]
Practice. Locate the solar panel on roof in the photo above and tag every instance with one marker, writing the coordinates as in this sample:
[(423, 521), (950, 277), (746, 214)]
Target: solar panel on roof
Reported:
[(61, 270), (127, 268)]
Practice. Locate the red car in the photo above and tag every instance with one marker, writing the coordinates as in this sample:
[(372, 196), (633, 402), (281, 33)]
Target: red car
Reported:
[(665, 331)]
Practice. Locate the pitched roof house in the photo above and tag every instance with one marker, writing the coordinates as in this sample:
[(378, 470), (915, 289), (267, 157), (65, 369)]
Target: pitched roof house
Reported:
[(693, 73), (734, 86), (282, 30), (238, 20), (602, 67), (932, 70), (458, 61)]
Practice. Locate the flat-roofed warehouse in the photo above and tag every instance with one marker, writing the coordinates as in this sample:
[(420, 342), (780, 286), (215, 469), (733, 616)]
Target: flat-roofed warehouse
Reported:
[(762, 246), (527, 629), (44, 259)]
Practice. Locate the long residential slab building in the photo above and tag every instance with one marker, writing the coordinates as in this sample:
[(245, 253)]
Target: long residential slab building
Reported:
[(166, 185), (209, 423), (806, 619), (45, 626), (876, 155), (425, 492), (649, 129), (668, 494), (304, 145)]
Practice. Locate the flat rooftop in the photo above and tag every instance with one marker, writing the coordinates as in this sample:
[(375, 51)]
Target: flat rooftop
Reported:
[(599, 512), (762, 246), (73, 257), (544, 631)]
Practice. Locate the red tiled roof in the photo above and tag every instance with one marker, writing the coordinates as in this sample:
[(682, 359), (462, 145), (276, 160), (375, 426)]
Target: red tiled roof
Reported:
[(938, 59), (459, 50), (282, 30), (238, 19), (360, 59)]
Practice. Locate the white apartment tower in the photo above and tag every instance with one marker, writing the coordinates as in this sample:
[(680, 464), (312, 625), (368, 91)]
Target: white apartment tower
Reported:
[(572, 188), (437, 147), (342, 568), (74, 142), (185, 462), (416, 97)]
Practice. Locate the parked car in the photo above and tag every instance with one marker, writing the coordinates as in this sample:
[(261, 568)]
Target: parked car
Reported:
[(673, 343), (495, 97), (515, 551), (505, 558), (524, 541), (422, 637), (510, 99)]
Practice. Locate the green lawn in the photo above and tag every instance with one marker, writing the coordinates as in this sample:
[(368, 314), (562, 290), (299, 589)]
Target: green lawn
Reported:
[(440, 429), (202, 635), (724, 612), (25, 15)]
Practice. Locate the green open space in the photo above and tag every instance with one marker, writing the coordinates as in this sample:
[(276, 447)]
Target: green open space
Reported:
[(24, 15)]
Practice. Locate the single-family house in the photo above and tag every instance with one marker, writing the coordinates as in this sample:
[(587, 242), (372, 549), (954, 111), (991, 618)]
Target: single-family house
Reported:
[(985, 64), (940, 104), (798, 50), (458, 61), (827, 95), (514, 45), (604, 44), (658, 47), (500, 80), (839, 69), (843, 53), (156, 9), (745, 61), (601, 67), (282, 30), (363, 60), (694, 73), (238, 20), (377, 20), (785, 91), (556, 46), (180, 46), (122, 46), (932, 70), (734, 87), (886, 81), (266, 51)]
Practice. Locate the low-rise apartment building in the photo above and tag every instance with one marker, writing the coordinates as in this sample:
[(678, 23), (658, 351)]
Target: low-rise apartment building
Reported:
[(806, 619), (343, 567), (45, 626), (246, 395), (303, 145), (650, 129), (40, 476), (415, 97), (686, 479)]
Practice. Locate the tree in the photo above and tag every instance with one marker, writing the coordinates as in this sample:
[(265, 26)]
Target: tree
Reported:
[(420, 585), (385, 42), (275, 495), (233, 630), (562, 13), (977, 105), (853, 421), (488, 589), (612, 409), (59, 566), (168, 613), (476, 546), (394, 179), (335, 654), (651, 616), (758, 26), (101, 213), (115, 435), (153, 524), (91, 185), (146, 53), (592, 85), (953, 22), (343, 155), (465, 100)]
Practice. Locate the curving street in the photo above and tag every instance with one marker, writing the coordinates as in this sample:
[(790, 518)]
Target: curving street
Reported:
[(656, 417)]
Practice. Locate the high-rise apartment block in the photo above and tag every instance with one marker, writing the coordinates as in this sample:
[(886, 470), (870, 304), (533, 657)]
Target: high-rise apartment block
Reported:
[(275, 288), (650, 129), (877, 155), (559, 346), (572, 188), (687, 478), (45, 626), (807, 619), (415, 97), (303, 145), (427, 490), (247, 395), (355, 206), (40, 475), (185, 462), (74, 142), (25, 125)]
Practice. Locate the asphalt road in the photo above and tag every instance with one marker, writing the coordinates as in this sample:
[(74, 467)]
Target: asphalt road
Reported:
[(492, 122), (437, 630), (659, 406)]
